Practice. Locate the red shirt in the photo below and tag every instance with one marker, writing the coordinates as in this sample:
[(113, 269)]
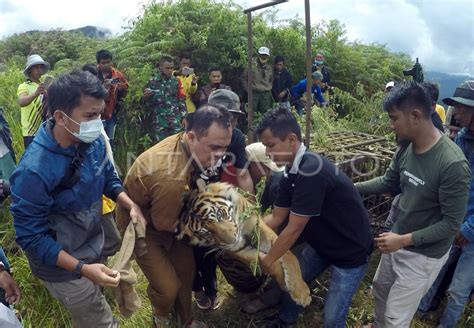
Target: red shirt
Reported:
[(115, 91)]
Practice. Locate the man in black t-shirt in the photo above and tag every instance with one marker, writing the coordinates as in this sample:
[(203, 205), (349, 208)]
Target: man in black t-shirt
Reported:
[(324, 206), (234, 162), (232, 168)]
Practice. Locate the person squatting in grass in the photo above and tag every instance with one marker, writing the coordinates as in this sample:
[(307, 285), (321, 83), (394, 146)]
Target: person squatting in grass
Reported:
[(323, 206)]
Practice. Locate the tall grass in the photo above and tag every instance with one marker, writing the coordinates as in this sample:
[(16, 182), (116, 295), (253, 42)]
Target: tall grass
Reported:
[(39, 309)]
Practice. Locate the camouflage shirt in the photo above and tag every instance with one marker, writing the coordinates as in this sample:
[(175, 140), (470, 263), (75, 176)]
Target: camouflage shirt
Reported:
[(167, 106)]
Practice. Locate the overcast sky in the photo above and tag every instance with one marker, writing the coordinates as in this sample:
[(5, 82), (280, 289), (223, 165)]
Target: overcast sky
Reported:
[(439, 32)]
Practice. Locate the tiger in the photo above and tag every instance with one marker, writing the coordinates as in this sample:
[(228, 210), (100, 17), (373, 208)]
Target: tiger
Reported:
[(219, 215)]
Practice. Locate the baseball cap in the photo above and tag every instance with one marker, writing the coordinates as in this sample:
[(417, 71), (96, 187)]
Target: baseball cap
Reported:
[(256, 153), (264, 51), (227, 99)]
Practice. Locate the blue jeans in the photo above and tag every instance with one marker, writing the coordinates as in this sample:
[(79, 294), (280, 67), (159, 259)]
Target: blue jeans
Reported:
[(460, 288), (343, 285), (109, 126), (428, 298)]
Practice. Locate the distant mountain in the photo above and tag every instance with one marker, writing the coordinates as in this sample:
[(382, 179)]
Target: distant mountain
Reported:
[(89, 31), (447, 82), (92, 31)]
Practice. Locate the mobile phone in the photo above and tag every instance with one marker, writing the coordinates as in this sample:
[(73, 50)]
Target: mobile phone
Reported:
[(187, 71)]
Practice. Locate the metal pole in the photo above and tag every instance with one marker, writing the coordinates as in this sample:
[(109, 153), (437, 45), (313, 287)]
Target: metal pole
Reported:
[(309, 80), (249, 76), (248, 11)]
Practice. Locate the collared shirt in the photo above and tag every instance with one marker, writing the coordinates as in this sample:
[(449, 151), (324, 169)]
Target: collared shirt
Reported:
[(338, 228), (298, 157), (157, 179), (31, 114)]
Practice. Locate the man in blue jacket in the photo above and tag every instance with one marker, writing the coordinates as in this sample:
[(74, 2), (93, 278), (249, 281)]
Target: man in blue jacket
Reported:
[(300, 88), (463, 279), (57, 200)]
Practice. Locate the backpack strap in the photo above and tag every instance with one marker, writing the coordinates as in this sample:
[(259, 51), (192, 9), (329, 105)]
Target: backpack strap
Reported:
[(73, 173)]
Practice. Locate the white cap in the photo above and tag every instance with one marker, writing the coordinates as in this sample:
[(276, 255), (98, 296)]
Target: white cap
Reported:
[(256, 153), (390, 84), (264, 51)]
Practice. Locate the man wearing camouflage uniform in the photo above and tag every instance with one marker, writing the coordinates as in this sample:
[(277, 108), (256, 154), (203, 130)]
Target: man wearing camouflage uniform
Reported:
[(164, 98)]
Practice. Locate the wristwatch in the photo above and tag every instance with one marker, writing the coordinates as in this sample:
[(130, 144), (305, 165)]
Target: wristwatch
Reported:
[(78, 269), (2, 266)]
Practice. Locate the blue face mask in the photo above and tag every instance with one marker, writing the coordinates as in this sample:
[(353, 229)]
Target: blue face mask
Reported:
[(88, 131), (318, 62)]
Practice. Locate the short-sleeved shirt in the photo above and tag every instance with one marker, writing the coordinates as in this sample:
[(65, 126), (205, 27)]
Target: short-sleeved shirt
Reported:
[(338, 228), (441, 112), (235, 158), (32, 114), (236, 149), (157, 179), (270, 193)]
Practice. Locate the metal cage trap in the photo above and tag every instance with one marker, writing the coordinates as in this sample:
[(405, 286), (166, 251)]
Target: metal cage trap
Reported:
[(362, 157)]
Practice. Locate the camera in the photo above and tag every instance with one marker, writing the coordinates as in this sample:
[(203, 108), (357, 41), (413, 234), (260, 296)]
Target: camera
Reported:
[(4, 189), (187, 71), (416, 72)]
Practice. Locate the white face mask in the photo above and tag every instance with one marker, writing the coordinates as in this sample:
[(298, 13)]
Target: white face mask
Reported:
[(88, 131)]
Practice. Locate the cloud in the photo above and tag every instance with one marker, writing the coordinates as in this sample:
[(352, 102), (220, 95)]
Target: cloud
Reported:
[(439, 32), (24, 15)]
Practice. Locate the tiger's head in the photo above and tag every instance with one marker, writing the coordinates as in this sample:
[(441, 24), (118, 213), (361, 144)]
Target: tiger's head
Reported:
[(212, 217)]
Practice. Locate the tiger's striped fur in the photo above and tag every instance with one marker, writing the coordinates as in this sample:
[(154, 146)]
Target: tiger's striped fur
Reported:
[(218, 215)]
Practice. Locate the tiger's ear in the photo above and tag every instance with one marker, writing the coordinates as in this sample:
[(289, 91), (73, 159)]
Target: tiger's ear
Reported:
[(201, 185)]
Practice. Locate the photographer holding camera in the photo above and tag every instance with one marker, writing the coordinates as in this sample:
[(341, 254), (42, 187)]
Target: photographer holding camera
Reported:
[(117, 86), (188, 80)]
